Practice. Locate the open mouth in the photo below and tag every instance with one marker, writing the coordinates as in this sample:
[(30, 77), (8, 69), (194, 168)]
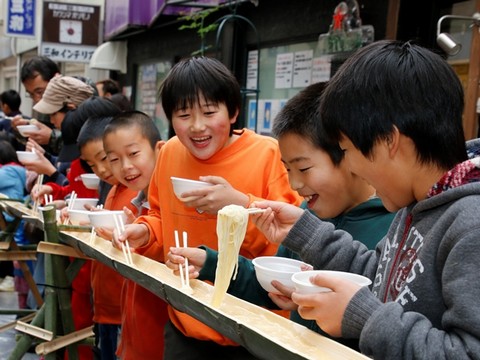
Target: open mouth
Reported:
[(311, 199), (131, 178), (201, 141)]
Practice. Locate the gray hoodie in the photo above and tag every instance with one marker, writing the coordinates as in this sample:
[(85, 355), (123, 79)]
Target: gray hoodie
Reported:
[(425, 299)]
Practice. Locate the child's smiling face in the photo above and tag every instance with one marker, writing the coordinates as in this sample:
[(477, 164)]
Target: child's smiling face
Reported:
[(94, 155), (203, 129), (131, 157), (329, 190)]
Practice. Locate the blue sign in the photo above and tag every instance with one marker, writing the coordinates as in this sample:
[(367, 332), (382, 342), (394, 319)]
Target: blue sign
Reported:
[(20, 18)]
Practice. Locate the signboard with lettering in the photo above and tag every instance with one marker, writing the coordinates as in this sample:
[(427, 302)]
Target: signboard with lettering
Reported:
[(70, 31), (20, 18)]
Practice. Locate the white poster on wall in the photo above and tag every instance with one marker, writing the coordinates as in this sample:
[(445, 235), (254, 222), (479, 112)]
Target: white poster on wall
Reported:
[(267, 111), (252, 70), (283, 71), (302, 68), (321, 67)]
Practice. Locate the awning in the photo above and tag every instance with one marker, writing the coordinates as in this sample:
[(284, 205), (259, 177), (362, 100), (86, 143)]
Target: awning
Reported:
[(111, 55)]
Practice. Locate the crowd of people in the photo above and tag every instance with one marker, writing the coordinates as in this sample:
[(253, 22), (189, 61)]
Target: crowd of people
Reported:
[(368, 173)]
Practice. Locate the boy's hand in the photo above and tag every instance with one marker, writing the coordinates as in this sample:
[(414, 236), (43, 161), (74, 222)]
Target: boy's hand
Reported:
[(136, 234), (33, 146), (196, 260), (41, 165), (277, 220), (38, 192), (327, 308), (213, 198), (283, 301), (106, 233), (42, 136)]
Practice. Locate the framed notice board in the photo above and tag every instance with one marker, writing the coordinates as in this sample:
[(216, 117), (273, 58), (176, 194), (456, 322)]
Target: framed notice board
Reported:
[(282, 72)]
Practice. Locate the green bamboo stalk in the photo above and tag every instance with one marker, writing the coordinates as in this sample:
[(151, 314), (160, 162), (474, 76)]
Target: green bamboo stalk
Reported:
[(26, 340), (58, 295)]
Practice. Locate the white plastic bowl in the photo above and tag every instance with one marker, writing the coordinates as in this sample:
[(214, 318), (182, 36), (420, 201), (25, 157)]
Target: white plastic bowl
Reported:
[(181, 186), (269, 268), (91, 181), (303, 284), (105, 218), (26, 130), (79, 203), (26, 156), (79, 217)]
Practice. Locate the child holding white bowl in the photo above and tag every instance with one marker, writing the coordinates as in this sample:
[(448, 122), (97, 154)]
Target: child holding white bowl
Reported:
[(318, 172), (396, 110), (201, 99)]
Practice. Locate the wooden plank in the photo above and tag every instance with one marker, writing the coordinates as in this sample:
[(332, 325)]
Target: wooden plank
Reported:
[(63, 341), (264, 333), (34, 330), (18, 255), (59, 249), (261, 331)]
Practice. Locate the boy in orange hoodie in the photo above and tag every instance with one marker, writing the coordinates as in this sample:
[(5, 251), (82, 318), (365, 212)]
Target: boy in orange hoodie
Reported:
[(131, 141), (202, 100), (106, 282)]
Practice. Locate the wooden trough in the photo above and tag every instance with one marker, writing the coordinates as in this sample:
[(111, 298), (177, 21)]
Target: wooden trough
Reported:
[(264, 333)]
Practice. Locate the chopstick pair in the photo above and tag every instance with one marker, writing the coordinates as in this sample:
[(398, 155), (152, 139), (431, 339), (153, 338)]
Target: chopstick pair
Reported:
[(71, 203), (93, 233), (184, 278), (120, 226), (38, 185), (47, 199)]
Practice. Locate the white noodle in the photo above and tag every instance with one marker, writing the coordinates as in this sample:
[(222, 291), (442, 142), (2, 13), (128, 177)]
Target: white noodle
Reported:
[(232, 223)]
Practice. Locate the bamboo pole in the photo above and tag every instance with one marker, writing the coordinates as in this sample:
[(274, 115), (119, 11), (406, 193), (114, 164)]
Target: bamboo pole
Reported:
[(58, 294)]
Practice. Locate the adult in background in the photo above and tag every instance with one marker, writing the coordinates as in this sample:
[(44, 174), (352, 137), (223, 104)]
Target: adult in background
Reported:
[(108, 87), (35, 75)]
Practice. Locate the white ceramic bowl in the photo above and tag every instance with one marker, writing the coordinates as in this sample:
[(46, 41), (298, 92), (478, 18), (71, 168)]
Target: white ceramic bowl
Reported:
[(91, 181), (79, 203), (181, 186), (303, 284), (269, 268), (26, 156), (105, 218), (79, 217), (26, 130)]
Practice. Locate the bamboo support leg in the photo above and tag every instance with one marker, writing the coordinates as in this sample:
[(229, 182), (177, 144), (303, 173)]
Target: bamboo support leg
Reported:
[(59, 293)]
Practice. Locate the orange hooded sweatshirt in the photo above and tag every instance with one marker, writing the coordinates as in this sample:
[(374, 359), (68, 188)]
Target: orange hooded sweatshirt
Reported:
[(251, 164)]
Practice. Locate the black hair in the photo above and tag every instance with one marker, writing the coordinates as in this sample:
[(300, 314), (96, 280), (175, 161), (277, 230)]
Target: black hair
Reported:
[(122, 102), (12, 99), (39, 65), (109, 86), (199, 76), (93, 106), (93, 130), (129, 119), (301, 116), (7, 152), (393, 83)]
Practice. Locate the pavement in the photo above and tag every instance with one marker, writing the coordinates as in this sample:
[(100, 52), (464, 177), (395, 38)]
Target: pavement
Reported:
[(9, 300)]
